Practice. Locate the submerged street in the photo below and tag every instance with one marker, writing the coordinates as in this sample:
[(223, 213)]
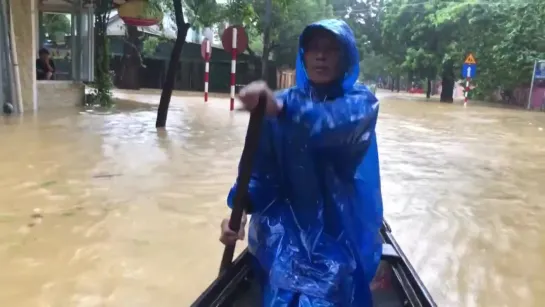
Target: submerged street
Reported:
[(103, 210)]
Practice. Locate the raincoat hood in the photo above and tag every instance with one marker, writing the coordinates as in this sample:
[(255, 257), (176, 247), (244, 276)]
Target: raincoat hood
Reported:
[(346, 38)]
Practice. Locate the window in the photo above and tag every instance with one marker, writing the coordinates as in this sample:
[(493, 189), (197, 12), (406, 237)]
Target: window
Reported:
[(55, 37), (65, 31)]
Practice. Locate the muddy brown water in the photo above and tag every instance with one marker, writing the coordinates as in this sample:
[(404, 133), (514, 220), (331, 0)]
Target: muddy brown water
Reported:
[(100, 209)]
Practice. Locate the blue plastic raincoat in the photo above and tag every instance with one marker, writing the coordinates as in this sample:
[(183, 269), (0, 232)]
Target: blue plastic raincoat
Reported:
[(315, 191)]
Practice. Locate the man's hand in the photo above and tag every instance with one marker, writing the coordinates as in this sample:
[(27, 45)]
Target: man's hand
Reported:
[(229, 237), (48, 65), (249, 96)]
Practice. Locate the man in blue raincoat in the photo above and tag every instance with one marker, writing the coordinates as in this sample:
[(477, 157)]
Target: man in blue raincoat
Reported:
[(315, 195)]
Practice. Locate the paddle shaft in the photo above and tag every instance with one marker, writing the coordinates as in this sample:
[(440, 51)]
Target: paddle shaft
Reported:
[(251, 145)]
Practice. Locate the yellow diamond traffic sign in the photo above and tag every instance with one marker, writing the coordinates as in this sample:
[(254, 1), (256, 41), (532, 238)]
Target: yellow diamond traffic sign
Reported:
[(470, 59)]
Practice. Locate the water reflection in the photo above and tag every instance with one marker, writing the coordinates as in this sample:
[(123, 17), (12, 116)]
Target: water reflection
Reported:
[(130, 213)]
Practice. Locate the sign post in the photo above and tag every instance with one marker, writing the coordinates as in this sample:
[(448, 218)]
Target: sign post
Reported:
[(469, 70), (234, 40), (206, 50), (537, 74)]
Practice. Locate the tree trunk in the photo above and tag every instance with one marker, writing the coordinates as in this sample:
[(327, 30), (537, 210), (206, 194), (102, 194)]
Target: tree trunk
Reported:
[(447, 86), (391, 85), (265, 59), (409, 80), (168, 86), (447, 91), (131, 62), (266, 40), (103, 80), (428, 90), (398, 82)]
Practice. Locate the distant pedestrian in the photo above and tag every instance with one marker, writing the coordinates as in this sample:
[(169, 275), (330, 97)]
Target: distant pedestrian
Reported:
[(45, 67)]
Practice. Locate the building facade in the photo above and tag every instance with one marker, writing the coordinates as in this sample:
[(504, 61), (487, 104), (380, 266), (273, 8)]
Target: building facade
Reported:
[(23, 35), (65, 28)]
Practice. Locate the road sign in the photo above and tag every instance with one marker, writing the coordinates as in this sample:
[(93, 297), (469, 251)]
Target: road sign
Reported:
[(469, 70), (203, 48), (470, 59), (537, 74), (539, 71), (227, 39)]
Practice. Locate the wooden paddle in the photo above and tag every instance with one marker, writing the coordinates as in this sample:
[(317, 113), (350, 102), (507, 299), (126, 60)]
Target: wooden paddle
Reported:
[(251, 144)]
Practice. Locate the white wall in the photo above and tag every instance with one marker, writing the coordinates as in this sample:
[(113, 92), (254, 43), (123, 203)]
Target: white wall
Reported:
[(117, 28)]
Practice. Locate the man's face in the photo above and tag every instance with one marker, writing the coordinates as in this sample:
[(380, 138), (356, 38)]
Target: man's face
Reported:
[(44, 56), (322, 57)]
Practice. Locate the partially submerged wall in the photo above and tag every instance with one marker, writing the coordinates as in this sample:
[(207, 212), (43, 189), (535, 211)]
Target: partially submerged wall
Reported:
[(59, 94)]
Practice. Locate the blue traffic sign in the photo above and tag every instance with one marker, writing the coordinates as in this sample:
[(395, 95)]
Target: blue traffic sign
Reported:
[(469, 70), (539, 70)]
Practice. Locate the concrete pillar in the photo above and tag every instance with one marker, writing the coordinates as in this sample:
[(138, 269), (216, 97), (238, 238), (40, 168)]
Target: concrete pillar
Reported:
[(23, 15)]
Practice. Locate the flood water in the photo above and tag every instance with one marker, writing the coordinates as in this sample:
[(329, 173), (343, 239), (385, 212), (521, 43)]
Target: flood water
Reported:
[(129, 215)]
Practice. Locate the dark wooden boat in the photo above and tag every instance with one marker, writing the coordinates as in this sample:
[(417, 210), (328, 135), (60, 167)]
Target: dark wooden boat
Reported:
[(396, 283)]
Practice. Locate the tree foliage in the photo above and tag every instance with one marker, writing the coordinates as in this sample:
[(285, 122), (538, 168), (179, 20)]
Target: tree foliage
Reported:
[(300, 13), (508, 38), (408, 39), (288, 18), (54, 23), (430, 39), (101, 93)]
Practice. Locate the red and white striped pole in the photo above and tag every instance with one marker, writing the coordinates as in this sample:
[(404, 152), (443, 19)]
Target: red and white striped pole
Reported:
[(206, 69), (468, 77), (466, 93), (233, 68)]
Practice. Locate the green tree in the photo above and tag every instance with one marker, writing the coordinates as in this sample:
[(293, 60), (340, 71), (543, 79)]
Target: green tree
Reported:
[(421, 40), (181, 32), (364, 18), (101, 89), (374, 66), (430, 39), (277, 37), (54, 23), (204, 13), (507, 39), (297, 15)]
